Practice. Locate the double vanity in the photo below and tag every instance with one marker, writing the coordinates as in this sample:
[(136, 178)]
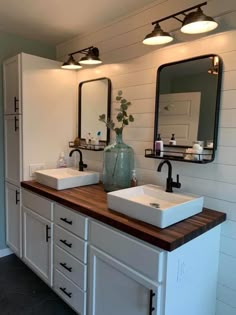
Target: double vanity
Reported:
[(102, 262)]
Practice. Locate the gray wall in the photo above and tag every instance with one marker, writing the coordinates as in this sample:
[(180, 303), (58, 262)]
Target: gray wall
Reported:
[(11, 45)]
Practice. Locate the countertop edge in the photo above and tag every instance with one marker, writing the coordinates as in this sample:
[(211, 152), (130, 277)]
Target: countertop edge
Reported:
[(130, 226)]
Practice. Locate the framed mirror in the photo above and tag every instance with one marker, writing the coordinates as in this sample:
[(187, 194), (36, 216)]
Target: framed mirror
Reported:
[(94, 100), (187, 109)]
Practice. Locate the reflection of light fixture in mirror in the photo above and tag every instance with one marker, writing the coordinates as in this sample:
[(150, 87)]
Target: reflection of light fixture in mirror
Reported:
[(91, 58), (197, 22), (71, 64), (157, 37), (215, 65), (193, 23)]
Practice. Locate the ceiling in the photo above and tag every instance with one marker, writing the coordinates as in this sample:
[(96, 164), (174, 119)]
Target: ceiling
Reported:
[(55, 21)]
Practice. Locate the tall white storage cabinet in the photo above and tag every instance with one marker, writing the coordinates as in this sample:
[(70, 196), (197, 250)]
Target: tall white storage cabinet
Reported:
[(40, 115)]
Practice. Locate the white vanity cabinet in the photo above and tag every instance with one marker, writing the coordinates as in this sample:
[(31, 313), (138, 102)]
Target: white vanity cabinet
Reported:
[(38, 234), (99, 270)]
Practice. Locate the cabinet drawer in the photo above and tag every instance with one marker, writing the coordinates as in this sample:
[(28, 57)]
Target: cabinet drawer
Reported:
[(38, 204), (71, 243), (72, 221), (133, 253), (71, 267), (69, 292)]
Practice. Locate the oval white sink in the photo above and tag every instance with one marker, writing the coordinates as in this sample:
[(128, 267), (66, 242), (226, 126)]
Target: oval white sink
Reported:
[(151, 204), (63, 178)]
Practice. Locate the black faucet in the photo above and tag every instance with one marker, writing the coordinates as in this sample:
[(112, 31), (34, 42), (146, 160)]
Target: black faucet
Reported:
[(81, 163), (169, 181)]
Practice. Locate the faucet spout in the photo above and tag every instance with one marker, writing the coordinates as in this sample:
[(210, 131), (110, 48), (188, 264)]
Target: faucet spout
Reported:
[(169, 181), (81, 163)]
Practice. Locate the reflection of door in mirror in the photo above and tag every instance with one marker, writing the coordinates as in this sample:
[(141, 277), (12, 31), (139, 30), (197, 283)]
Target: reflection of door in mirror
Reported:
[(94, 100), (179, 115)]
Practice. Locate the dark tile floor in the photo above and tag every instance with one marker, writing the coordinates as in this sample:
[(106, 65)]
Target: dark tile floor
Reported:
[(23, 293)]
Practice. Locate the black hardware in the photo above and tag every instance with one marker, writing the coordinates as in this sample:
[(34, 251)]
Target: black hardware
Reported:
[(16, 108), (16, 121), (66, 243), (151, 308), (179, 13), (65, 220), (17, 194), (169, 181), (81, 163), (66, 267), (47, 233), (69, 294)]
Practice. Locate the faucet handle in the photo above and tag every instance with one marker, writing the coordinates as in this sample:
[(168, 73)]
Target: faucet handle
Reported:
[(177, 184)]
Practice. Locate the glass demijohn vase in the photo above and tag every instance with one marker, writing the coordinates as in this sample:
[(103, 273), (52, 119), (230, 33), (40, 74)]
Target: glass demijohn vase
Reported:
[(118, 163)]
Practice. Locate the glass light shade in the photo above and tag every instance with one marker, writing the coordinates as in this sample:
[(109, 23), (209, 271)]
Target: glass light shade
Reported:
[(157, 37), (90, 60), (197, 23), (71, 64)]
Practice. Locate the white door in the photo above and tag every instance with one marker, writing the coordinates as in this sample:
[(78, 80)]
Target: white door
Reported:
[(13, 219), (13, 168), (179, 114), (37, 240), (116, 289), (11, 70)]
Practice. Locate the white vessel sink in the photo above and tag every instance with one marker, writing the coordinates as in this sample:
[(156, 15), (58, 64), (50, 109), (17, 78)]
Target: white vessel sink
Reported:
[(151, 204), (63, 178)]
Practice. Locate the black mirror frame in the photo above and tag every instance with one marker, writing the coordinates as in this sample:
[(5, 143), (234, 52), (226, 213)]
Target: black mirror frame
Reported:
[(108, 114), (217, 110)]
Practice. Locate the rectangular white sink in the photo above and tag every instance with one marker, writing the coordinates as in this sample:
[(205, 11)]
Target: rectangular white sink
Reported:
[(151, 204), (63, 178)]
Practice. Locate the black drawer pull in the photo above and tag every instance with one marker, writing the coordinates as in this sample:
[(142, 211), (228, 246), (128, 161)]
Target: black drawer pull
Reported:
[(16, 108), (47, 233), (17, 199), (151, 308), (65, 243), (16, 120), (65, 292), (65, 220), (66, 267)]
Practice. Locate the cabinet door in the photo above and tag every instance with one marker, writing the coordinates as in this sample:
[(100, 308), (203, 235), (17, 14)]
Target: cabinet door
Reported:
[(37, 252), (13, 149), (13, 219), (11, 70), (117, 289)]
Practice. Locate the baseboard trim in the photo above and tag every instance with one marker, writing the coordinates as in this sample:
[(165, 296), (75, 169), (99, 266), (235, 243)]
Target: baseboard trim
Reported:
[(5, 252)]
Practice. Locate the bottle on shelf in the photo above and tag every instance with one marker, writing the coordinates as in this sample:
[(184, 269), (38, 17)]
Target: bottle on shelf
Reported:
[(134, 181), (159, 146), (61, 162), (172, 140)]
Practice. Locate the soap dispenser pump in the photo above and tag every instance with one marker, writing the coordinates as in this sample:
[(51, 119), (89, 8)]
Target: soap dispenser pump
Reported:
[(172, 140)]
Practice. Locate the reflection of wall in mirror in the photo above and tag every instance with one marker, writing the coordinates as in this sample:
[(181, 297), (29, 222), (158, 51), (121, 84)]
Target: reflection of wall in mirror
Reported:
[(207, 84), (179, 115), (93, 103)]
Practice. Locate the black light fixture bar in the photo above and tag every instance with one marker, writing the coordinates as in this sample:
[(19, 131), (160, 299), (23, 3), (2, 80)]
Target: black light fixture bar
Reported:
[(179, 13), (82, 51)]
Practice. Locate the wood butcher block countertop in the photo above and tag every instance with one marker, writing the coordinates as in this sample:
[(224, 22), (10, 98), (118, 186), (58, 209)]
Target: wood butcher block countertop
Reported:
[(92, 201)]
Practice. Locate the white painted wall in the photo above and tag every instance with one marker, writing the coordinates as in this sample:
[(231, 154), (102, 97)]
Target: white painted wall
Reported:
[(132, 67)]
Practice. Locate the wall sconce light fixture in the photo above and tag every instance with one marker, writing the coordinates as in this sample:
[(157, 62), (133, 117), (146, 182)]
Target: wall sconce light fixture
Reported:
[(193, 23), (91, 58)]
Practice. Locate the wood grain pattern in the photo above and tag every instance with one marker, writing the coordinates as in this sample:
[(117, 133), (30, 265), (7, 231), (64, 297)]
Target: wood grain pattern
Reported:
[(92, 201)]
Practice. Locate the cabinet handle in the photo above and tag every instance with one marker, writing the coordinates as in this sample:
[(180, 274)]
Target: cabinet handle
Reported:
[(66, 267), (16, 101), (69, 294), (66, 220), (151, 308), (17, 194), (16, 121), (65, 243), (47, 233)]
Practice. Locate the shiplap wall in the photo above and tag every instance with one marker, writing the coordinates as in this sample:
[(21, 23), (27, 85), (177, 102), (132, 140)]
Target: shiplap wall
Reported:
[(136, 76)]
